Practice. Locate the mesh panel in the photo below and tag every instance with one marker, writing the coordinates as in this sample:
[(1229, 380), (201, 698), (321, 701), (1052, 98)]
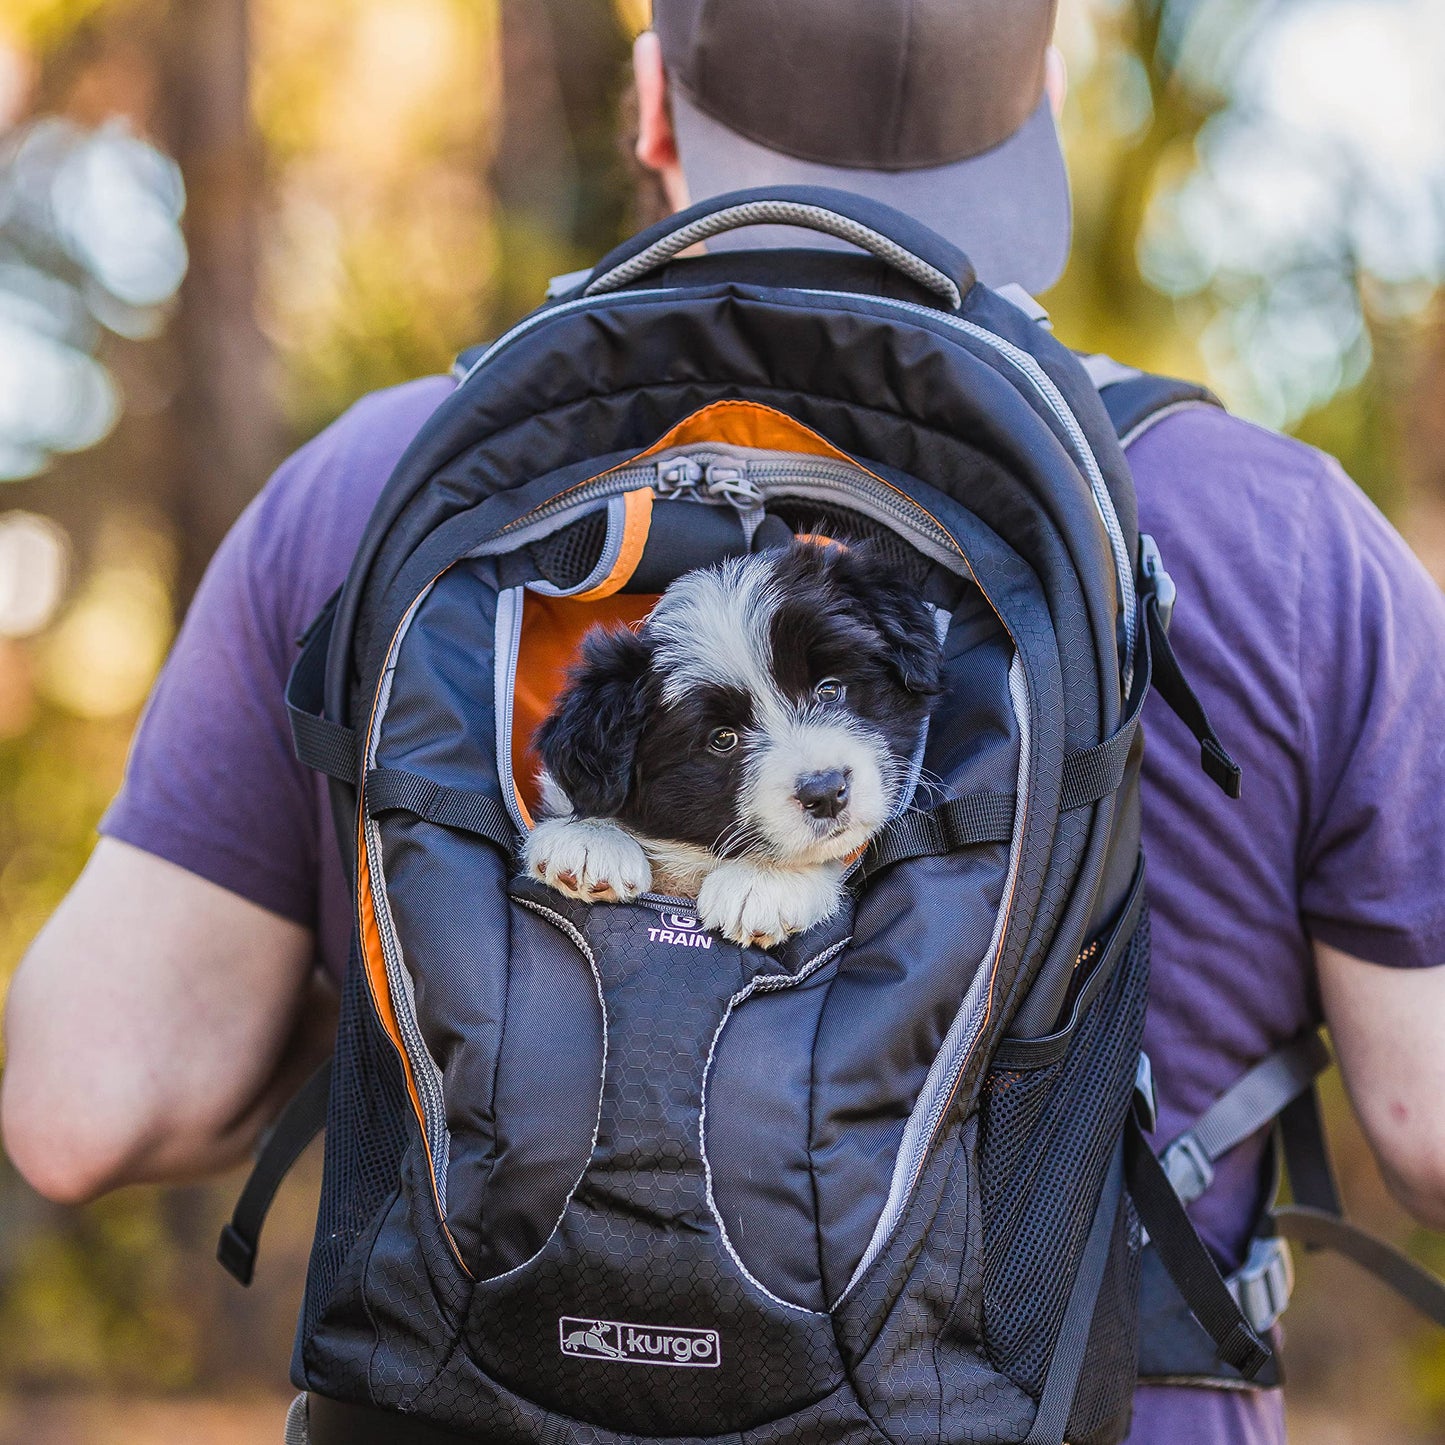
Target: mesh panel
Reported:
[(365, 1137), (1105, 1396), (1039, 1194), (847, 525), (568, 557)]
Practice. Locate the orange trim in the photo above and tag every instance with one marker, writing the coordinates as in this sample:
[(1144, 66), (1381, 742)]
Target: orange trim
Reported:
[(745, 424), (636, 524), (374, 962), (552, 628)]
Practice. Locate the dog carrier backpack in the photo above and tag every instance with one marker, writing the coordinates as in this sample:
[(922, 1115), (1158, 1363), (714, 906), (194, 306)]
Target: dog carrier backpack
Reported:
[(596, 1174)]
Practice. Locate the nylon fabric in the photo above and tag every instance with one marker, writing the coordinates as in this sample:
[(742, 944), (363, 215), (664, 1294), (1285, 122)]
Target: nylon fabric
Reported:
[(649, 1140)]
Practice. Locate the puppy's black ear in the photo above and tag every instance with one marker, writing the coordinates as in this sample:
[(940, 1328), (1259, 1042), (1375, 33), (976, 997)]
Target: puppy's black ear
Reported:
[(882, 597), (589, 740)]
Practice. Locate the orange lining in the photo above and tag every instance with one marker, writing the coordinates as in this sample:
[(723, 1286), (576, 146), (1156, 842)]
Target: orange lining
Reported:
[(636, 524), (552, 628)]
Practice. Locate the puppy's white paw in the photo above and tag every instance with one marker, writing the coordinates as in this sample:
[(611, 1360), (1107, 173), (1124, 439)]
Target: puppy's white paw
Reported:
[(762, 906), (588, 858)]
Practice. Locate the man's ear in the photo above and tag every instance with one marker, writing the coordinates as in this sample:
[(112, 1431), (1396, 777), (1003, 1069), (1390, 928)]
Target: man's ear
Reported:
[(656, 138), (589, 741)]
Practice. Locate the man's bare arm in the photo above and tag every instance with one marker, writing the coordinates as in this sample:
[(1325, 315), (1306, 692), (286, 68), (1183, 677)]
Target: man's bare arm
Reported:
[(1388, 1026), (155, 1027)]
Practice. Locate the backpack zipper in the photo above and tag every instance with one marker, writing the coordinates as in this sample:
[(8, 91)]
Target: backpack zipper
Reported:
[(1020, 359), (710, 475)]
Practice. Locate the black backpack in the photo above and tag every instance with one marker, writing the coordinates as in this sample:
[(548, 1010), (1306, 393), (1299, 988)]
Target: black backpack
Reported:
[(595, 1174)]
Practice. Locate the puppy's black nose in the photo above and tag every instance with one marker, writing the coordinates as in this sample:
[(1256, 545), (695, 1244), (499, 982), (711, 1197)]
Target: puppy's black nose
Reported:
[(824, 795)]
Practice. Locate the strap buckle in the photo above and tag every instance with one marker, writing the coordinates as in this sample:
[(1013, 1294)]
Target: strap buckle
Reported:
[(1188, 1167), (1151, 567), (1146, 1096), (1264, 1282)]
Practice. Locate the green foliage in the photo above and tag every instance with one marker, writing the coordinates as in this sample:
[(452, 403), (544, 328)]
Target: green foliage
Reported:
[(415, 205)]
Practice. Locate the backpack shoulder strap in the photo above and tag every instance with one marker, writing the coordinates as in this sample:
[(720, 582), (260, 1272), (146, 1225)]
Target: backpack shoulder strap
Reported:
[(1279, 1091), (1137, 400)]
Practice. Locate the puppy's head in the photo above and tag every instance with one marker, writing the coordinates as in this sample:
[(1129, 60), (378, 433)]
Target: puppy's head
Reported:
[(769, 707)]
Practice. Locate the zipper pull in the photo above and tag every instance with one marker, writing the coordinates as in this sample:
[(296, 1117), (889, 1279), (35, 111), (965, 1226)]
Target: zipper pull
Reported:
[(676, 476), (728, 482)]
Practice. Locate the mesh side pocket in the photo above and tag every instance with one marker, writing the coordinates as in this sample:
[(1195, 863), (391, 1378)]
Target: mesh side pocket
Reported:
[(1045, 1149), (1106, 1384), (365, 1139)]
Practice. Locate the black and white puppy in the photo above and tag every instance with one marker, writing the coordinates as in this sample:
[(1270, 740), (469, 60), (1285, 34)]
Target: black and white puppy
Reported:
[(743, 744)]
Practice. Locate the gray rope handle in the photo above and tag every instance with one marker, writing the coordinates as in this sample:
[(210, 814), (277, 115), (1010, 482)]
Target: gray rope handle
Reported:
[(780, 213)]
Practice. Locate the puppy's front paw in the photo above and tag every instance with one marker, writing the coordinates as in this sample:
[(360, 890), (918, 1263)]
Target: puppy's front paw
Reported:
[(588, 858), (762, 906)]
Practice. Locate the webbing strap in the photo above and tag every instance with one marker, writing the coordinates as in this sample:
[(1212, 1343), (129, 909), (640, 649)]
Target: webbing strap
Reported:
[(1307, 1154), (1247, 1106), (1319, 1229), (1188, 1262), (1173, 687), (1062, 1382), (1098, 771), (975, 818), (389, 789), (326, 746), (940, 830), (298, 1124)]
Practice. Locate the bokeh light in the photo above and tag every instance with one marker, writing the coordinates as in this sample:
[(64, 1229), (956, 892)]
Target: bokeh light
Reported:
[(90, 241), (34, 556)]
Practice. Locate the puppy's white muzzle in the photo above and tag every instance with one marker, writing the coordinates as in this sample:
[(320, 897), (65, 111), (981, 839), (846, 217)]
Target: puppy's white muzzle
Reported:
[(816, 789)]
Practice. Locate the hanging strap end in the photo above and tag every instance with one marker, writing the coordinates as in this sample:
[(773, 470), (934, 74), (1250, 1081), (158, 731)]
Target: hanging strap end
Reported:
[(236, 1254), (1222, 768)]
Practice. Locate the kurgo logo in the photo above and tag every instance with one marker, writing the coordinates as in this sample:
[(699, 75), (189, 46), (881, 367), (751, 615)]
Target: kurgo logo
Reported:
[(639, 1344), (680, 929)]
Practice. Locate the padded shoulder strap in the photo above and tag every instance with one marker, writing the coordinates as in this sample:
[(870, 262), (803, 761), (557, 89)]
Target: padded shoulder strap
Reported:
[(326, 746), (1136, 400)]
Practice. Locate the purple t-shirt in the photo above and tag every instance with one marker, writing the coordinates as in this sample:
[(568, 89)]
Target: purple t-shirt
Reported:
[(1310, 632)]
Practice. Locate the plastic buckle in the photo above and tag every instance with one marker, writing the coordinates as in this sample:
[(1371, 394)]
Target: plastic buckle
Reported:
[(1263, 1284), (1188, 1167), (1151, 568), (1146, 1097)]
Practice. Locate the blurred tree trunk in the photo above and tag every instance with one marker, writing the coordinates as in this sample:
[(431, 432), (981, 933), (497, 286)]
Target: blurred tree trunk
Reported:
[(1423, 445), (556, 166), (228, 433)]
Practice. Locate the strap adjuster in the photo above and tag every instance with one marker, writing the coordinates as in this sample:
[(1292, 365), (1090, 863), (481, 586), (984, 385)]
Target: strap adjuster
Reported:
[(1264, 1282), (1146, 1097), (1151, 566), (1188, 1167)]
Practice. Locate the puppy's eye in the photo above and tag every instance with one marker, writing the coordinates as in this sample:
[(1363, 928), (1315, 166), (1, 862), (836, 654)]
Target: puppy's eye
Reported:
[(722, 740), (830, 690)]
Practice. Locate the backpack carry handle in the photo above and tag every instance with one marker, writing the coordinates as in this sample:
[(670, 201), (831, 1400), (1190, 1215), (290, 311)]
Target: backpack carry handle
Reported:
[(903, 243)]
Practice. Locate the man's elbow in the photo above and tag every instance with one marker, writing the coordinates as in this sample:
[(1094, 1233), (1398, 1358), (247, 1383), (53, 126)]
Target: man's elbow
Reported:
[(61, 1149), (1414, 1169)]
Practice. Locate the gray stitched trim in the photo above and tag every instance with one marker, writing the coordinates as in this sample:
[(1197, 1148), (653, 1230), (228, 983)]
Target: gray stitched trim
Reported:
[(958, 1043), (559, 922), (763, 983), (1155, 417), (784, 213), (505, 653)]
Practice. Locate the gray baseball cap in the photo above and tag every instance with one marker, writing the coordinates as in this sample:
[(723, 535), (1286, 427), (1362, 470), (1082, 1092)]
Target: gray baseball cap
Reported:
[(936, 107)]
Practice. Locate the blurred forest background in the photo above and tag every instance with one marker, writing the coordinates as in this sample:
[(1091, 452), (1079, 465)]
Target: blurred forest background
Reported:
[(221, 221)]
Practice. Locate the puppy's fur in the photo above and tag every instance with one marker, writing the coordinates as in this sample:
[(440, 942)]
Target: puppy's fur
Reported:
[(753, 735)]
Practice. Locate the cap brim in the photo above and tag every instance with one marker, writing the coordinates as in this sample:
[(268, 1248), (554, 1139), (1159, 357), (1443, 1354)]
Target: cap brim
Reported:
[(1007, 208)]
